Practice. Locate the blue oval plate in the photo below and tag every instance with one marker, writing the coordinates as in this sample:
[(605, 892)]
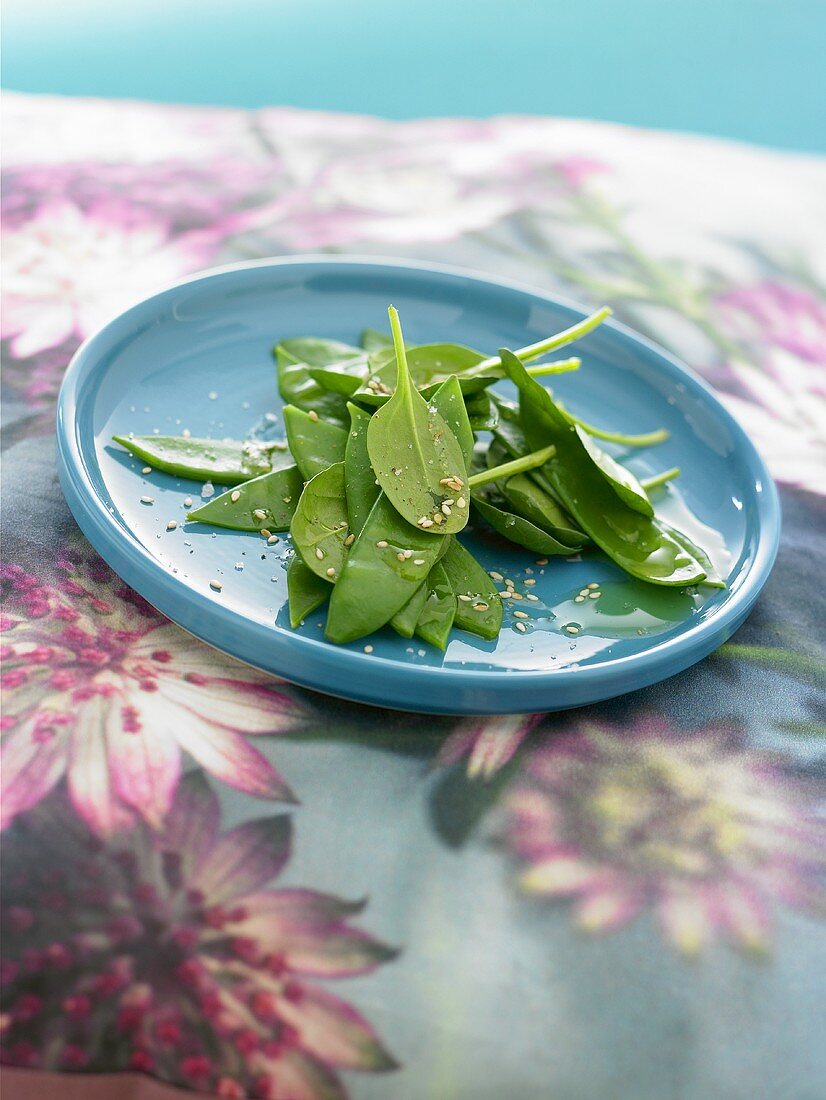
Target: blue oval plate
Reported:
[(198, 357)]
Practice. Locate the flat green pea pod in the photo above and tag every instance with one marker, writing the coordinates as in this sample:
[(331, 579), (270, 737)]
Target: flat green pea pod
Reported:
[(263, 503), (404, 621), (526, 498), (359, 478), (493, 509), (296, 357), (479, 605), (225, 461), (640, 545), (386, 565), (439, 611), (417, 459), (320, 526), (305, 590), (314, 443)]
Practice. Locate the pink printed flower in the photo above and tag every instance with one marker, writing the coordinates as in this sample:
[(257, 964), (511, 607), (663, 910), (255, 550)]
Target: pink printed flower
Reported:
[(430, 180), (169, 953), (781, 375), (705, 833), (68, 270), (488, 743), (100, 688)]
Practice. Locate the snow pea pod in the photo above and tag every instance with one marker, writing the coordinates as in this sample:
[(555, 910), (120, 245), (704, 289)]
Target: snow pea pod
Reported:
[(479, 606), (385, 566), (642, 546), (416, 456), (358, 473), (305, 590), (225, 461), (494, 510), (404, 621), (314, 444), (320, 525), (295, 358), (439, 611), (266, 502)]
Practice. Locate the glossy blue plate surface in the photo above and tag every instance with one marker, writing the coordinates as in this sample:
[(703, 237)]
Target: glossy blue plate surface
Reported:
[(197, 357)]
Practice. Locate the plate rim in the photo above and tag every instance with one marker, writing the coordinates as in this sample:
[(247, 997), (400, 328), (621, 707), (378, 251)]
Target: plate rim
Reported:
[(141, 571)]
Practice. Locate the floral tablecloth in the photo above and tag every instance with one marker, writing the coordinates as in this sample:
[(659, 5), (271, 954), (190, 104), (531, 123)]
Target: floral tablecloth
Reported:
[(246, 890)]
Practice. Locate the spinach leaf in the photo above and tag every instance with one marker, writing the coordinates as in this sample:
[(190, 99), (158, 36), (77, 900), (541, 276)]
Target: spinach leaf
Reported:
[(358, 473), (314, 444), (416, 457), (439, 610), (386, 565), (305, 590), (448, 401), (373, 340), (266, 502), (622, 481), (225, 461), (294, 359), (320, 526), (343, 381), (479, 606), (642, 546), (516, 528), (530, 500)]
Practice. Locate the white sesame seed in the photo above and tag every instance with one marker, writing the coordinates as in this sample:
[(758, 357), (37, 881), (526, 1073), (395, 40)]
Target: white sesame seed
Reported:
[(408, 553), (461, 502), (448, 501), (368, 649), (541, 561), (530, 582), (259, 513), (235, 495), (579, 599), (187, 502), (286, 499), (464, 598), (515, 595), (446, 509), (530, 596), (572, 629), (480, 606), (400, 556), (265, 532), (425, 522), (319, 553), (147, 500), (351, 538), (313, 415), (146, 470), (593, 585), (381, 544), (216, 586), (272, 539), (171, 525), (438, 518), (520, 627), (331, 572), (495, 576), (506, 594), (520, 615), (418, 561)]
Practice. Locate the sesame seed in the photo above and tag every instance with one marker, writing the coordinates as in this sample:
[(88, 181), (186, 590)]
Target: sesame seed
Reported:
[(448, 500), (425, 522), (368, 649), (147, 500), (313, 415), (408, 553), (173, 523), (319, 553), (495, 576), (265, 532), (351, 538), (530, 582), (186, 433), (400, 555), (146, 470), (579, 599), (461, 503), (418, 561), (438, 518), (594, 595), (509, 582), (187, 502), (216, 586), (259, 513), (583, 591), (521, 628), (541, 561), (464, 598), (446, 509), (520, 615), (235, 495), (593, 584), (272, 539), (480, 607), (286, 499), (506, 594), (530, 596), (331, 572), (572, 629), (515, 595), (381, 544)]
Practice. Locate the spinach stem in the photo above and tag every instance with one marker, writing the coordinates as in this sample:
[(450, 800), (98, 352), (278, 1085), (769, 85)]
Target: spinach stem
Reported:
[(551, 343), (558, 366), (647, 440), (649, 483), (516, 466)]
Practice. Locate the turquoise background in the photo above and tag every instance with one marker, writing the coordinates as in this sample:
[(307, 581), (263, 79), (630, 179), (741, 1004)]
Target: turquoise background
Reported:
[(748, 69)]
